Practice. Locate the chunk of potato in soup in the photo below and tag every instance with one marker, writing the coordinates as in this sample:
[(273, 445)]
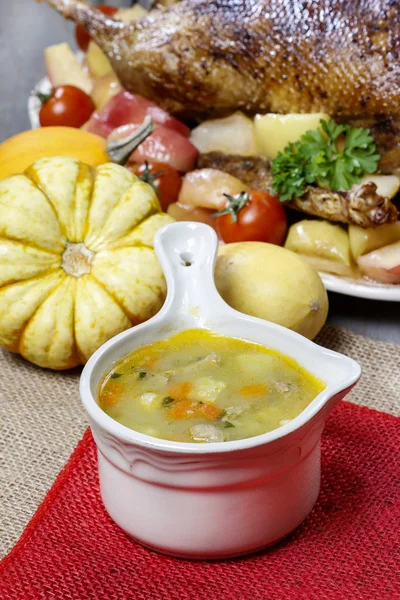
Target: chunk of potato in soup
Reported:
[(198, 386)]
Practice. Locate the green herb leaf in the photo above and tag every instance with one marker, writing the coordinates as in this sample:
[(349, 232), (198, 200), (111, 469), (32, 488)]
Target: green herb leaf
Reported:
[(228, 424), (115, 375), (289, 174), (142, 375), (333, 156)]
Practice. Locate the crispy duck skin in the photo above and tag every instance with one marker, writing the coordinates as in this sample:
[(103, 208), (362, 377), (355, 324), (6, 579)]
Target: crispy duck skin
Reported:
[(202, 58), (207, 57), (363, 207)]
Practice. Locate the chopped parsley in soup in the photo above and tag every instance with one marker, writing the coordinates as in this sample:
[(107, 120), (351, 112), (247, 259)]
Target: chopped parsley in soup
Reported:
[(197, 386)]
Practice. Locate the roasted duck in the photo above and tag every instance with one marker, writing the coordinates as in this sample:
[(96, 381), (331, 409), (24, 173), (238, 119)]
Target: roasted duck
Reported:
[(363, 207), (202, 58), (207, 56)]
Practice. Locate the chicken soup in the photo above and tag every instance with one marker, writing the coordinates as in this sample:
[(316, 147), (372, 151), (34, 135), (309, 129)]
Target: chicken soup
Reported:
[(197, 386)]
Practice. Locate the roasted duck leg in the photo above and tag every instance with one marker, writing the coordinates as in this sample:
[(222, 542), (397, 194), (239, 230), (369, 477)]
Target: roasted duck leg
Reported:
[(363, 207), (215, 56)]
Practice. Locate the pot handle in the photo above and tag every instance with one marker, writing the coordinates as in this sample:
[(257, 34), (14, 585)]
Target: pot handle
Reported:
[(187, 251)]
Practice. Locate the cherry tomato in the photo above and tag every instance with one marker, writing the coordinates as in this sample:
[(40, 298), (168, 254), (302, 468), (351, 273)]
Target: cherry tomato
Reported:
[(254, 217), (67, 106), (82, 36), (165, 179)]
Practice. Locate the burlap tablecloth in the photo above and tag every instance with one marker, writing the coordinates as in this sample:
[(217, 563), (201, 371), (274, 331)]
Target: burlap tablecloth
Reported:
[(41, 420)]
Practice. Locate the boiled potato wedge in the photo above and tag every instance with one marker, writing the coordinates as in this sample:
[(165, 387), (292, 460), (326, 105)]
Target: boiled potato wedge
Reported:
[(325, 246), (63, 68), (232, 135), (97, 61), (104, 88), (363, 241), (274, 132)]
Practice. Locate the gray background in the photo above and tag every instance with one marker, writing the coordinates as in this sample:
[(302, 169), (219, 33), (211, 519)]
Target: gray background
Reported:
[(26, 28)]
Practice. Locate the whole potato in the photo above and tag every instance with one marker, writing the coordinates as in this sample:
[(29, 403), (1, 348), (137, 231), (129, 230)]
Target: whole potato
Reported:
[(272, 283)]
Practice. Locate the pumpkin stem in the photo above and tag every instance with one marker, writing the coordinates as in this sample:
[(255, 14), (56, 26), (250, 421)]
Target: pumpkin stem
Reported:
[(77, 259), (120, 150)]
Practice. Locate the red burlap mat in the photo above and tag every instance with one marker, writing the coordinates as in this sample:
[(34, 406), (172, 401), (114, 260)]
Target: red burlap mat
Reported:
[(347, 548)]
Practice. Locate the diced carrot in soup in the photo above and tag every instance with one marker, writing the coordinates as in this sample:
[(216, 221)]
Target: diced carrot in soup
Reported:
[(179, 391), (187, 409), (197, 386), (210, 411), (183, 409), (257, 389)]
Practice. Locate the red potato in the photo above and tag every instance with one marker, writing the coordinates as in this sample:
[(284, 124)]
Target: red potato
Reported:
[(125, 108), (163, 145), (189, 213), (205, 188), (97, 126), (382, 265)]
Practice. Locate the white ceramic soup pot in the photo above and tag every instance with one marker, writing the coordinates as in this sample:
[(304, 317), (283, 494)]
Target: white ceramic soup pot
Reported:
[(210, 500)]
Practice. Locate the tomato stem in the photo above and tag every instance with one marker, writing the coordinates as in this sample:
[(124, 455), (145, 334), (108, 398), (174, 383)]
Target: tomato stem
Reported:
[(44, 97), (234, 206), (149, 177)]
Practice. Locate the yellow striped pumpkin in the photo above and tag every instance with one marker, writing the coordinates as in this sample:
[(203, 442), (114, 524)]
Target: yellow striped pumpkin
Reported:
[(77, 263)]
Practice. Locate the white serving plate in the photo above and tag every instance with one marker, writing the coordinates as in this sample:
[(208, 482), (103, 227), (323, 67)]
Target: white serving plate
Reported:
[(358, 288), (43, 86), (361, 288)]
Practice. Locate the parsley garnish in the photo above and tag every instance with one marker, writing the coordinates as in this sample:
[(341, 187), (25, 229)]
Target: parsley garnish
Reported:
[(115, 375), (333, 157), (142, 375)]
